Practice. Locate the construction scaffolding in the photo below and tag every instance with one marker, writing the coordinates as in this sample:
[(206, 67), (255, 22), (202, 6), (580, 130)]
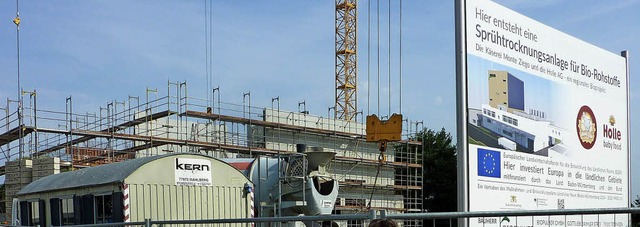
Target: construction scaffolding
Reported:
[(176, 122)]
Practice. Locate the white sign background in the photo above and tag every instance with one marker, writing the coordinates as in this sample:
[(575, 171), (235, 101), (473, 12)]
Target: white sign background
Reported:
[(193, 172)]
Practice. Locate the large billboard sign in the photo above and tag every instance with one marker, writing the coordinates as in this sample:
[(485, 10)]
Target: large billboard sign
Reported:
[(543, 118)]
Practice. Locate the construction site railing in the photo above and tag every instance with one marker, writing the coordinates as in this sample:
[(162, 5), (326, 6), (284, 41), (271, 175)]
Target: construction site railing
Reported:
[(452, 217)]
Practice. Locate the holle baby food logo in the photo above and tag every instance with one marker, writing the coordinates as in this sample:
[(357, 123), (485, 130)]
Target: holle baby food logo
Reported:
[(612, 135), (611, 132), (586, 126)]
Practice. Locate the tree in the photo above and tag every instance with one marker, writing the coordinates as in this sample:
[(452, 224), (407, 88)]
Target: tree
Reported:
[(439, 171), (437, 153)]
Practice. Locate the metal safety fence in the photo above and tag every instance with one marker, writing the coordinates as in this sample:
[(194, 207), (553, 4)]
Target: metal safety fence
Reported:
[(607, 217)]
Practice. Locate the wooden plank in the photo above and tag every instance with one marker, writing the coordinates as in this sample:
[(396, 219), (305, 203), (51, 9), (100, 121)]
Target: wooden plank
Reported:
[(14, 134)]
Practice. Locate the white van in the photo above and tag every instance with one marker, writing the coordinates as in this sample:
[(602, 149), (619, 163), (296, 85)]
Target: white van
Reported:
[(507, 144)]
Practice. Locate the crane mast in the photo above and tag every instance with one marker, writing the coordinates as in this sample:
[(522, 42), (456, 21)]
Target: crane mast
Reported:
[(346, 71)]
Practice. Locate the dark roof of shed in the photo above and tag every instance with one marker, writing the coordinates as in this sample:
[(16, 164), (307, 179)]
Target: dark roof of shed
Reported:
[(99, 175)]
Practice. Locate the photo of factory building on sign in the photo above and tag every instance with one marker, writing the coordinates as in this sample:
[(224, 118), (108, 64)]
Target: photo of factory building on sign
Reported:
[(504, 123)]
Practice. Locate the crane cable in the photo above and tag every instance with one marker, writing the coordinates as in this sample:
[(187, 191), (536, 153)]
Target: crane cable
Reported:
[(381, 156), (211, 45), (378, 54), (206, 46), (375, 181), (16, 21), (368, 58), (208, 36), (400, 56), (389, 58)]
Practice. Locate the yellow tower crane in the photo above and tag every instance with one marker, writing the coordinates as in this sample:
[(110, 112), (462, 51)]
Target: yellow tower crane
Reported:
[(346, 74)]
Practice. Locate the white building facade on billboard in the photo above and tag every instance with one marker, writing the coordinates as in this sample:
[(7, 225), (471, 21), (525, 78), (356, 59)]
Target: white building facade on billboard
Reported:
[(526, 131)]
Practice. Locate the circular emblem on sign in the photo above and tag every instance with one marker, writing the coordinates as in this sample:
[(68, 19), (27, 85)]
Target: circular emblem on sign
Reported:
[(489, 163), (586, 127)]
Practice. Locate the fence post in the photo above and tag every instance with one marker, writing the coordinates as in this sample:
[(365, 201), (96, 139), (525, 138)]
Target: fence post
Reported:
[(147, 222), (372, 214)]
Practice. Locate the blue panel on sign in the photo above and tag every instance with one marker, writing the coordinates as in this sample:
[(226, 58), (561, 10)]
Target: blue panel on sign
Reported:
[(489, 163), (515, 92)]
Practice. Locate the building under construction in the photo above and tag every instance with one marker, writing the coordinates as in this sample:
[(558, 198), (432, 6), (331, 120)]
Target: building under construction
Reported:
[(37, 142)]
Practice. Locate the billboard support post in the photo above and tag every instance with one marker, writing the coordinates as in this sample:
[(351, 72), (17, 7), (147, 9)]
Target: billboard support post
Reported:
[(461, 107), (625, 54)]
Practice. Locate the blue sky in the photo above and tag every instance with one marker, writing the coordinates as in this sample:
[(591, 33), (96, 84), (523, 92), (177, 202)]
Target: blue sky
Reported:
[(101, 51)]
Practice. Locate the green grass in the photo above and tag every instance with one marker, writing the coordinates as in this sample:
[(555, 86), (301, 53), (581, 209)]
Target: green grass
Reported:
[(472, 141), (485, 130)]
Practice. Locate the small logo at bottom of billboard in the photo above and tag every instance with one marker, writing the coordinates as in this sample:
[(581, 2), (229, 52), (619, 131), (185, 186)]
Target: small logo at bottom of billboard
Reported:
[(561, 204), (504, 219), (540, 202), (513, 202), (586, 127)]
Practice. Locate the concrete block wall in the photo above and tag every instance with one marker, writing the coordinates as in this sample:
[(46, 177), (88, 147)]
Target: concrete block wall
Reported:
[(45, 166), (18, 174)]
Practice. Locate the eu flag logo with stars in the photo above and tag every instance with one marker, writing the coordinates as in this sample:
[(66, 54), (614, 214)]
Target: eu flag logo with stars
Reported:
[(488, 163)]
